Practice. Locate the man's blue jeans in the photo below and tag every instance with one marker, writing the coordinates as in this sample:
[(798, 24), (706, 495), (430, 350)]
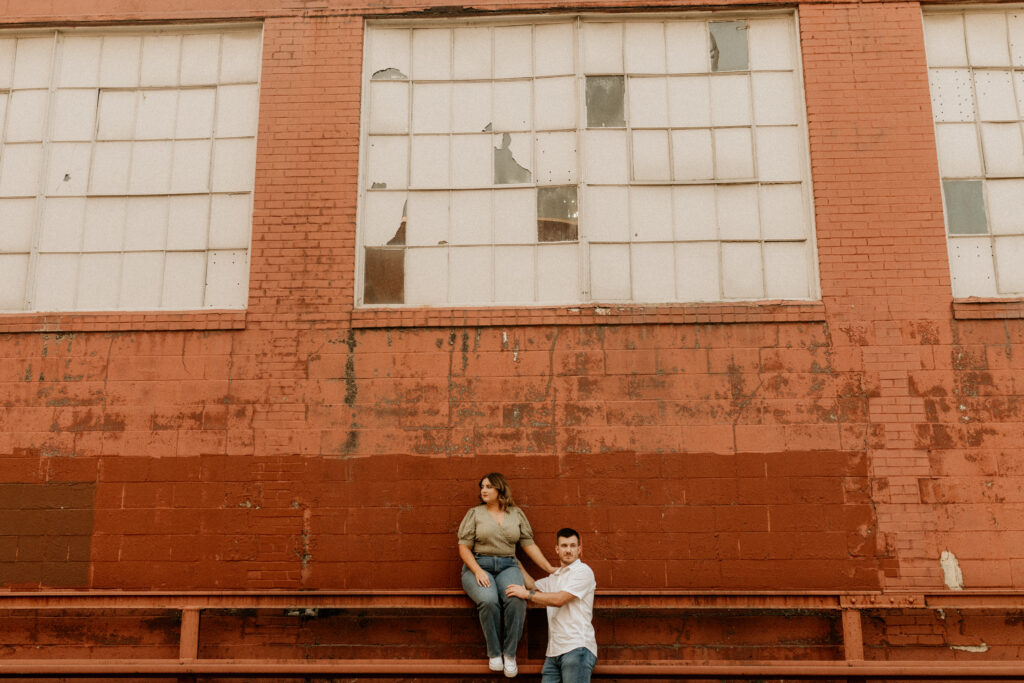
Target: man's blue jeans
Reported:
[(574, 666), (491, 603)]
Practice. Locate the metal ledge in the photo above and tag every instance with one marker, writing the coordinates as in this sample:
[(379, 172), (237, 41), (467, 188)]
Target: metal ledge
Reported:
[(848, 605), (448, 668)]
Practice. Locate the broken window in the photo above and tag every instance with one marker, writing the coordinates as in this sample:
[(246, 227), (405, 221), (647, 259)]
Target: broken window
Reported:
[(389, 74), (693, 190), (728, 45), (605, 96), (506, 169), (556, 214), (965, 207), (980, 148)]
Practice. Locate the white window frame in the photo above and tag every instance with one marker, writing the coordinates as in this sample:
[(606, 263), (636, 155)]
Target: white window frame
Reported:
[(584, 294), (960, 244), (237, 300)]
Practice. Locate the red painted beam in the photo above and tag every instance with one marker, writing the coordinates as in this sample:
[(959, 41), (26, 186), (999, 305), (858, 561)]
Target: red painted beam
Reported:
[(853, 635), (437, 599), (449, 668), (455, 599), (189, 641)]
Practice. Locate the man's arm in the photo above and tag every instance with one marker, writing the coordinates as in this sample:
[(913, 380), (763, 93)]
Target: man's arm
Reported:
[(539, 597)]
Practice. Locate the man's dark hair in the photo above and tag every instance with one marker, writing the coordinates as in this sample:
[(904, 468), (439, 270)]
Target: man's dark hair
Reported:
[(566, 532)]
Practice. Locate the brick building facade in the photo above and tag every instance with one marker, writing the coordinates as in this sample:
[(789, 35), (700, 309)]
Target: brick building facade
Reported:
[(861, 435)]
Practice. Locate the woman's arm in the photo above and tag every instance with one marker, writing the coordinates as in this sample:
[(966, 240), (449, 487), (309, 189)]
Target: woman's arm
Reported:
[(483, 579), (534, 553)]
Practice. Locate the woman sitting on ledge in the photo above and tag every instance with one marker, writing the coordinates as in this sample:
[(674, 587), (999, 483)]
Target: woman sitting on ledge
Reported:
[(487, 545)]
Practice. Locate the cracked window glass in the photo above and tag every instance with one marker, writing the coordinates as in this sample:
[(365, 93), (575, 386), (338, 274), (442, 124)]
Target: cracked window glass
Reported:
[(605, 95), (399, 239), (965, 207), (556, 214), (479, 127), (384, 277), (728, 45), (506, 169), (389, 74)]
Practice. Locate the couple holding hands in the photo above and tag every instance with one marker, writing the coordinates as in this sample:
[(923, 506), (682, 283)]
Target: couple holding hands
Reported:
[(495, 580)]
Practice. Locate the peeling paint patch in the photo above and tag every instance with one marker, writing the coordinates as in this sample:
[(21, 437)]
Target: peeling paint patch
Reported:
[(951, 574), (971, 648)]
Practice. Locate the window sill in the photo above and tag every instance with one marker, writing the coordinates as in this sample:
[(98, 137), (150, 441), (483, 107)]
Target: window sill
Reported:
[(591, 314), (988, 309), (118, 321)]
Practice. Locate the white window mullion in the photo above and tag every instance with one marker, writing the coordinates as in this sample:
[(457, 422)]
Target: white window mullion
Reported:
[(33, 259)]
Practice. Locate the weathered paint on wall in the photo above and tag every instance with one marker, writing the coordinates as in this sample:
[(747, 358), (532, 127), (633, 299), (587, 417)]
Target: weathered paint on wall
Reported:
[(843, 446)]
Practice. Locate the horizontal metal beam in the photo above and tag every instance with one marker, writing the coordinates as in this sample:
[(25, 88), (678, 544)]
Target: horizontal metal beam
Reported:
[(446, 668), (397, 599), (456, 599)]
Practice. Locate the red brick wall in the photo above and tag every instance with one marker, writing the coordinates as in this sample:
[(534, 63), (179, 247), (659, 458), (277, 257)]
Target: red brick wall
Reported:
[(842, 445)]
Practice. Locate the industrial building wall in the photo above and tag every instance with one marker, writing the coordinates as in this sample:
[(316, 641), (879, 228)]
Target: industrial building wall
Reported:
[(302, 442)]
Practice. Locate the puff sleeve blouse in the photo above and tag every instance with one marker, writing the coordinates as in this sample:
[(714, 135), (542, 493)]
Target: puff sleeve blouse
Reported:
[(485, 536)]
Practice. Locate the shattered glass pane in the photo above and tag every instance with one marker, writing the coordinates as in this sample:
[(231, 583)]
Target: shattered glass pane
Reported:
[(556, 214), (506, 169), (384, 276), (728, 45), (390, 74), (605, 95), (965, 207), (399, 239)]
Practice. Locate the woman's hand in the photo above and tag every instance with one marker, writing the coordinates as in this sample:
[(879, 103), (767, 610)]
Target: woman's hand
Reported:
[(534, 553), (482, 578)]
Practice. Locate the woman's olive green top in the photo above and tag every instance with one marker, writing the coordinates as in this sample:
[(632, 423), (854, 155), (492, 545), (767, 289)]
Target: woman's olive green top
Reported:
[(485, 536)]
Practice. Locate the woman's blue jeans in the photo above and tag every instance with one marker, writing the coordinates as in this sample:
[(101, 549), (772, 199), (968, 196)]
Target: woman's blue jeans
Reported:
[(492, 604)]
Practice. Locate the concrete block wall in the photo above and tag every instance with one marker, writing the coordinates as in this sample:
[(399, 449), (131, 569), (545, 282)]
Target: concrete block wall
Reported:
[(304, 444)]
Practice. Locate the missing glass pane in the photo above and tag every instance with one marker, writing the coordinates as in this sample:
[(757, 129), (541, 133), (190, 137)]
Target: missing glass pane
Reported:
[(605, 95), (965, 207), (556, 214), (728, 45), (506, 169), (384, 276)]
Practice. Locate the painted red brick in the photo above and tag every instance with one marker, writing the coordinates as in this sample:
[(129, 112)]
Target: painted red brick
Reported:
[(842, 445)]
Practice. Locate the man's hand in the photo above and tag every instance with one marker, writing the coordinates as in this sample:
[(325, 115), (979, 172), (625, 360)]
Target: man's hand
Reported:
[(517, 591)]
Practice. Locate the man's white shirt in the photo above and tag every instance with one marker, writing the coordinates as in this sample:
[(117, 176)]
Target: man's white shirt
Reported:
[(569, 626)]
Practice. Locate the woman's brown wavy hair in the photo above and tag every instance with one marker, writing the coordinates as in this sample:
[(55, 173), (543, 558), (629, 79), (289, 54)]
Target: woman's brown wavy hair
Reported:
[(499, 482)]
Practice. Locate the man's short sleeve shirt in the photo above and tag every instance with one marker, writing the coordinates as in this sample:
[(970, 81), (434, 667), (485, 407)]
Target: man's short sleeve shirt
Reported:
[(569, 626)]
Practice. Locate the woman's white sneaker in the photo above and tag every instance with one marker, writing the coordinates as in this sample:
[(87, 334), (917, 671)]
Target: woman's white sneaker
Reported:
[(510, 667), (494, 663)]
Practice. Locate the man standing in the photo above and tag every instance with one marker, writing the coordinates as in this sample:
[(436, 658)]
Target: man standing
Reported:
[(568, 595)]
